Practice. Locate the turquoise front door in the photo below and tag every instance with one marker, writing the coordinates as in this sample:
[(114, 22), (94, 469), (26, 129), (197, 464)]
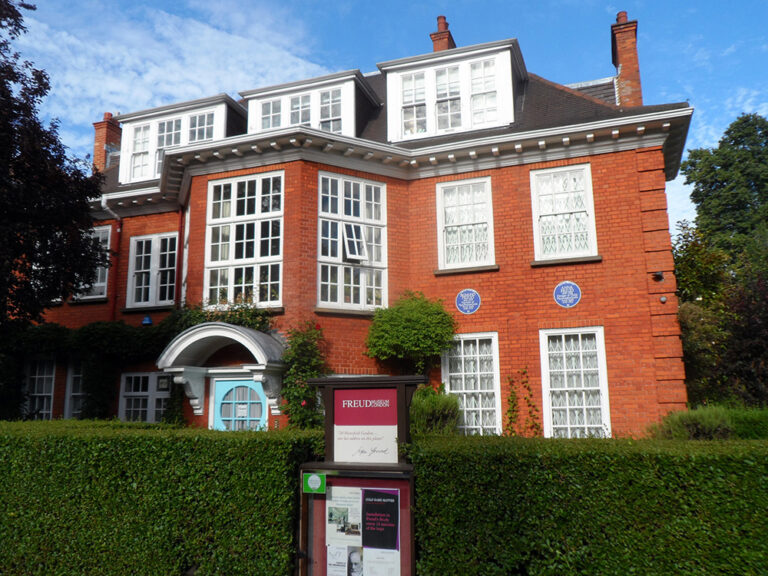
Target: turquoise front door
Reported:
[(239, 405)]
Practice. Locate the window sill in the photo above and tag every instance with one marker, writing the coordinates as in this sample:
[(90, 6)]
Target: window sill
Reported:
[(344, 312), (79, 301), (566, 261), (145, 309), (470, 270)]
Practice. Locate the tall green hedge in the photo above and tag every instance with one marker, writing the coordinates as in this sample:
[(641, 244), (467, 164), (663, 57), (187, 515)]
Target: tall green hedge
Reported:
[(506, 506), (93, 498)]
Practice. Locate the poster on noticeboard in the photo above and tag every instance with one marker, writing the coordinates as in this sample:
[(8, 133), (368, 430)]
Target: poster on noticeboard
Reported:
[(362, 531)]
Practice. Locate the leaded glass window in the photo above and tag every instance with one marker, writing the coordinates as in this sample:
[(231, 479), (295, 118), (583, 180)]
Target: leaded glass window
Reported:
[(465, 221), (575, 389), (563, 213), (470, 371)]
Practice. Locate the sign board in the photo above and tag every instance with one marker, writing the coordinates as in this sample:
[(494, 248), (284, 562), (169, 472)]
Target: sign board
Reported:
[(567, 294), (468, 301), (362, 531), (365, 425)]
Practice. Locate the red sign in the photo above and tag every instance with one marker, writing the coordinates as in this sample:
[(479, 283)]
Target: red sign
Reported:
[(365, 407)]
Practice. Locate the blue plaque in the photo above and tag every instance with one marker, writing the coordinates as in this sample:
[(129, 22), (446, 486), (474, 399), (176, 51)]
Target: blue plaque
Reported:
[(468, 301), (567, 294)]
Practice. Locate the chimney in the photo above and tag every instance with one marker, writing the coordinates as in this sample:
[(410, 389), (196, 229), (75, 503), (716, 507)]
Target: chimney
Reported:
[(624, 50), (442, 39), (106, 140)]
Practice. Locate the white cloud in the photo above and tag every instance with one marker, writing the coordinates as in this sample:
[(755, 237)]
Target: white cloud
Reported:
[(139, 57)]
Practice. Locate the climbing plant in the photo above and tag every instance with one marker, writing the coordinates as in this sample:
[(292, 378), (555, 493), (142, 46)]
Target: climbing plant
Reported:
[(304, 358)]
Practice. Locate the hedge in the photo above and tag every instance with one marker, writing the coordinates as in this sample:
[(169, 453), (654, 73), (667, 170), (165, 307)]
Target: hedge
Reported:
[(107, 498), (507, 506)]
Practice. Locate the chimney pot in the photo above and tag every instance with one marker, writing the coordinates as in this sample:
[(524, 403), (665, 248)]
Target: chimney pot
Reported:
[(107, 115), (621, 17), (442, 39)]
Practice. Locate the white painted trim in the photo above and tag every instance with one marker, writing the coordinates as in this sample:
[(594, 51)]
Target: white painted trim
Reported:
[(439, 187), (602, 374), (153, 271), (590, 207)]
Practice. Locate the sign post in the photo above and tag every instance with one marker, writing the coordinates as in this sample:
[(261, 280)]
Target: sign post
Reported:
[(356, 505)]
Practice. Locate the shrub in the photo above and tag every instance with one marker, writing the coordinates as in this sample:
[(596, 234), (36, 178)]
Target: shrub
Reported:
[(109, 498), (304, 358), (414, 331), (433, 411), (713, 423), (498, 506)]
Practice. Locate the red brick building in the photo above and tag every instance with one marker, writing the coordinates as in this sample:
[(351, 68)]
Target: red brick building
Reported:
[(535, 211)]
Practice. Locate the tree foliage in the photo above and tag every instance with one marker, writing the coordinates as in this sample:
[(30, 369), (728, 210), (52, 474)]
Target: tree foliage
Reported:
[(413, 331), (722, 267), (46, 246)]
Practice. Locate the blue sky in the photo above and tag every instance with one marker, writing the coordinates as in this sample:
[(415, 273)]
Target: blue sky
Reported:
[(128, 55)]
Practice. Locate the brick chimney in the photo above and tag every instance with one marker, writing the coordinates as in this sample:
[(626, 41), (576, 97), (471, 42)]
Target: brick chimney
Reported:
[(624, 50), (442, 39), (106, 139)]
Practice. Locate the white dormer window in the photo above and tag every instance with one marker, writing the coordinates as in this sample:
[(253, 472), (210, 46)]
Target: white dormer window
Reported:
[(483, 75), (140, 155), (414, 104), (444, 94), (300, 110), (270, 114), (168, 134), (330, 110), (201, 127), (448, 98)]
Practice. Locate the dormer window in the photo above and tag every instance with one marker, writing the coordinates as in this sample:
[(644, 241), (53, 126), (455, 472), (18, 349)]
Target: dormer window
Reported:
[(201, 127), (300, 110), (140, 155), (483, 75), (414, 105), (448, 98), (445, 94), (168, 134), (270, 114), (330, 110)]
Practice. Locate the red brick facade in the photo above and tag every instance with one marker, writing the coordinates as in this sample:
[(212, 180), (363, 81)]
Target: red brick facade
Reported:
[(628, 288)]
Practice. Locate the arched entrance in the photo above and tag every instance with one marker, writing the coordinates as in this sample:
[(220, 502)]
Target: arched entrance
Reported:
[(242, 368)]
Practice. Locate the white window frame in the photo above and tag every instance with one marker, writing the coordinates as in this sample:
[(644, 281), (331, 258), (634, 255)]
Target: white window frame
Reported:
[(152, 395), (547, 379), (448, 89), (414, 104), (140, 152), (481, 113), (207, 127), (100, 286), (156, 271), (167, 139), (303, 108), (259, 263), (40, 382), (540, 212), (271, 114), (442, 224), (75, 394), (351, 243), (463, 394), (328, 116)]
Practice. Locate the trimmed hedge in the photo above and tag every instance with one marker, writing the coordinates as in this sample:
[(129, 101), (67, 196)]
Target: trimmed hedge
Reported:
[(714, 423), (507, 506), (109, 498)]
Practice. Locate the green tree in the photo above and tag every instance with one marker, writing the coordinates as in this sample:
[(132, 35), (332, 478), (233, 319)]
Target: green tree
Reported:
[(47, 251), (414, 331), (722, 267), (730, 184), (46, 246)]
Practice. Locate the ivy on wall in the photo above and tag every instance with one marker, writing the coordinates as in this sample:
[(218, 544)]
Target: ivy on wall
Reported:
[(105, 349)]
